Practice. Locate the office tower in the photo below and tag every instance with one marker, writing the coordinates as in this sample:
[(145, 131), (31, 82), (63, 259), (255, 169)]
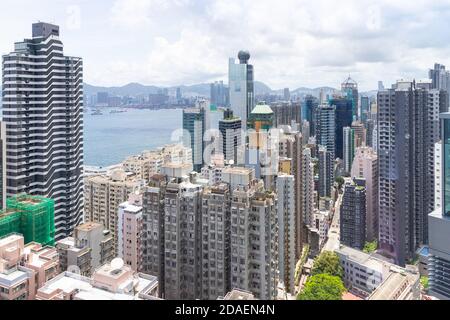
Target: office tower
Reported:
[(102, 99), (44, 127), (370, 124), (130, 225), (103, 195), (231, 130), (286, 230), (2, 165), (241, 87), (31, 216), (408, 130), (365, 109), (365, 165), (344, 118), (90, 247), (326, 134), (182, 241), (349, 148), (285, 113), (153, 228), (194, 126), (179, 95), (326, 172), (350, 89), (353, 214), (286, 94), (216, 233), (439, 224), (309, 112), (218, 94)]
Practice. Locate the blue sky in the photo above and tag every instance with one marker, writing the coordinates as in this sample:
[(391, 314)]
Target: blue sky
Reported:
[(293, 43)]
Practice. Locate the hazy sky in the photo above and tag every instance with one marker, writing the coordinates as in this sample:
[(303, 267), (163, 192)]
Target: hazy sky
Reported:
[(293, 43)]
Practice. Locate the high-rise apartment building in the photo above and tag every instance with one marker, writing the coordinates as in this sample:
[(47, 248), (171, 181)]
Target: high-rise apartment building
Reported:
[(353, 214), (2, 165), (182, 240), (349, 148), (241, 86), (286, 113), (365, 165), (103, 195), (43, 113), (216, 233), (439, 223), (130, 230), (326, 172), (287, 229), (408, 128)]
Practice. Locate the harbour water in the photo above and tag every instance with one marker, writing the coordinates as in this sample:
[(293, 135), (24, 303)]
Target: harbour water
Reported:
[(111, 137)]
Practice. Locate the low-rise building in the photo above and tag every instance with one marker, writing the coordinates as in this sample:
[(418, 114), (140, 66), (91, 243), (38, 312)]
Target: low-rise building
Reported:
[(371, 276)]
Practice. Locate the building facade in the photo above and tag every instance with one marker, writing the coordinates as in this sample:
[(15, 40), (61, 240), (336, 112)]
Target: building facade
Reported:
[(43, 113)]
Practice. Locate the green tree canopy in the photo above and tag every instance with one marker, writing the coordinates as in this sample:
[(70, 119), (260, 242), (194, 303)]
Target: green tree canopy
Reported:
[(322, 287), (370, 247), (327, 262), (340, 181)]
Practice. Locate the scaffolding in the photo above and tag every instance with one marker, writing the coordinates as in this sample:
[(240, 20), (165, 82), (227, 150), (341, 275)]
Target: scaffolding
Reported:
[(31, 216)]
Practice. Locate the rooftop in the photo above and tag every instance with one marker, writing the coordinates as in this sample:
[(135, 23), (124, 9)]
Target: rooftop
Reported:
[(89, 226), (262, 109)]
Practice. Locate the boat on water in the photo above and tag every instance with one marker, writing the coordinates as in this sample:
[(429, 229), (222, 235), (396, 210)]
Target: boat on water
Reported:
[(117, 111), (97, 113)]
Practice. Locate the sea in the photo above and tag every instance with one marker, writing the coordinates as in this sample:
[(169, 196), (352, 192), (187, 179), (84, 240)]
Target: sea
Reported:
[(112, 137)]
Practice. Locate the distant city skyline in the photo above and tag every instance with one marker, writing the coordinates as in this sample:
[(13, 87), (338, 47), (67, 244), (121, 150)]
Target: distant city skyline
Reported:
[(175, 42)]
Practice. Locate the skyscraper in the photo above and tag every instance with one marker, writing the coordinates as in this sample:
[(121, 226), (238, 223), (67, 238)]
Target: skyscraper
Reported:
[(350, 89), (440, 80), (439, 224), (2, 165), (365, 165), (218, 94), (353, 214), (349, 148), (326, 172), (231, 130), (408, 128), (344, 118), (194, 126), (241, 86), (365, 109), (287, 230), (326, 128), (43, 113), (286, 94), (309, 112)]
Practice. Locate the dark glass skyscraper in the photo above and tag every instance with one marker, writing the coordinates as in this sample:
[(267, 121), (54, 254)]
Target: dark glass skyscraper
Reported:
[(344, 118), (309, 112)]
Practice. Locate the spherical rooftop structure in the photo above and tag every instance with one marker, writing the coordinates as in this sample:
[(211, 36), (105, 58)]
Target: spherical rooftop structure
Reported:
[(244, 56)]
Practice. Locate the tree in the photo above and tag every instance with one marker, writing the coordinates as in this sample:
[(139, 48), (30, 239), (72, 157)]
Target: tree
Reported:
[(322, 287), (424, 282), (370, 247), (327, 262), (340, 181)]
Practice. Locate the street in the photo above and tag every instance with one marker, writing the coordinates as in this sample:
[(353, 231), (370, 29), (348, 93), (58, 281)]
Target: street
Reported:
[(332, 242)]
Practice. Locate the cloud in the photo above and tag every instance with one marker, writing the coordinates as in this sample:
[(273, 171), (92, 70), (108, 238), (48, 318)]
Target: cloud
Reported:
[(292, 42)]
